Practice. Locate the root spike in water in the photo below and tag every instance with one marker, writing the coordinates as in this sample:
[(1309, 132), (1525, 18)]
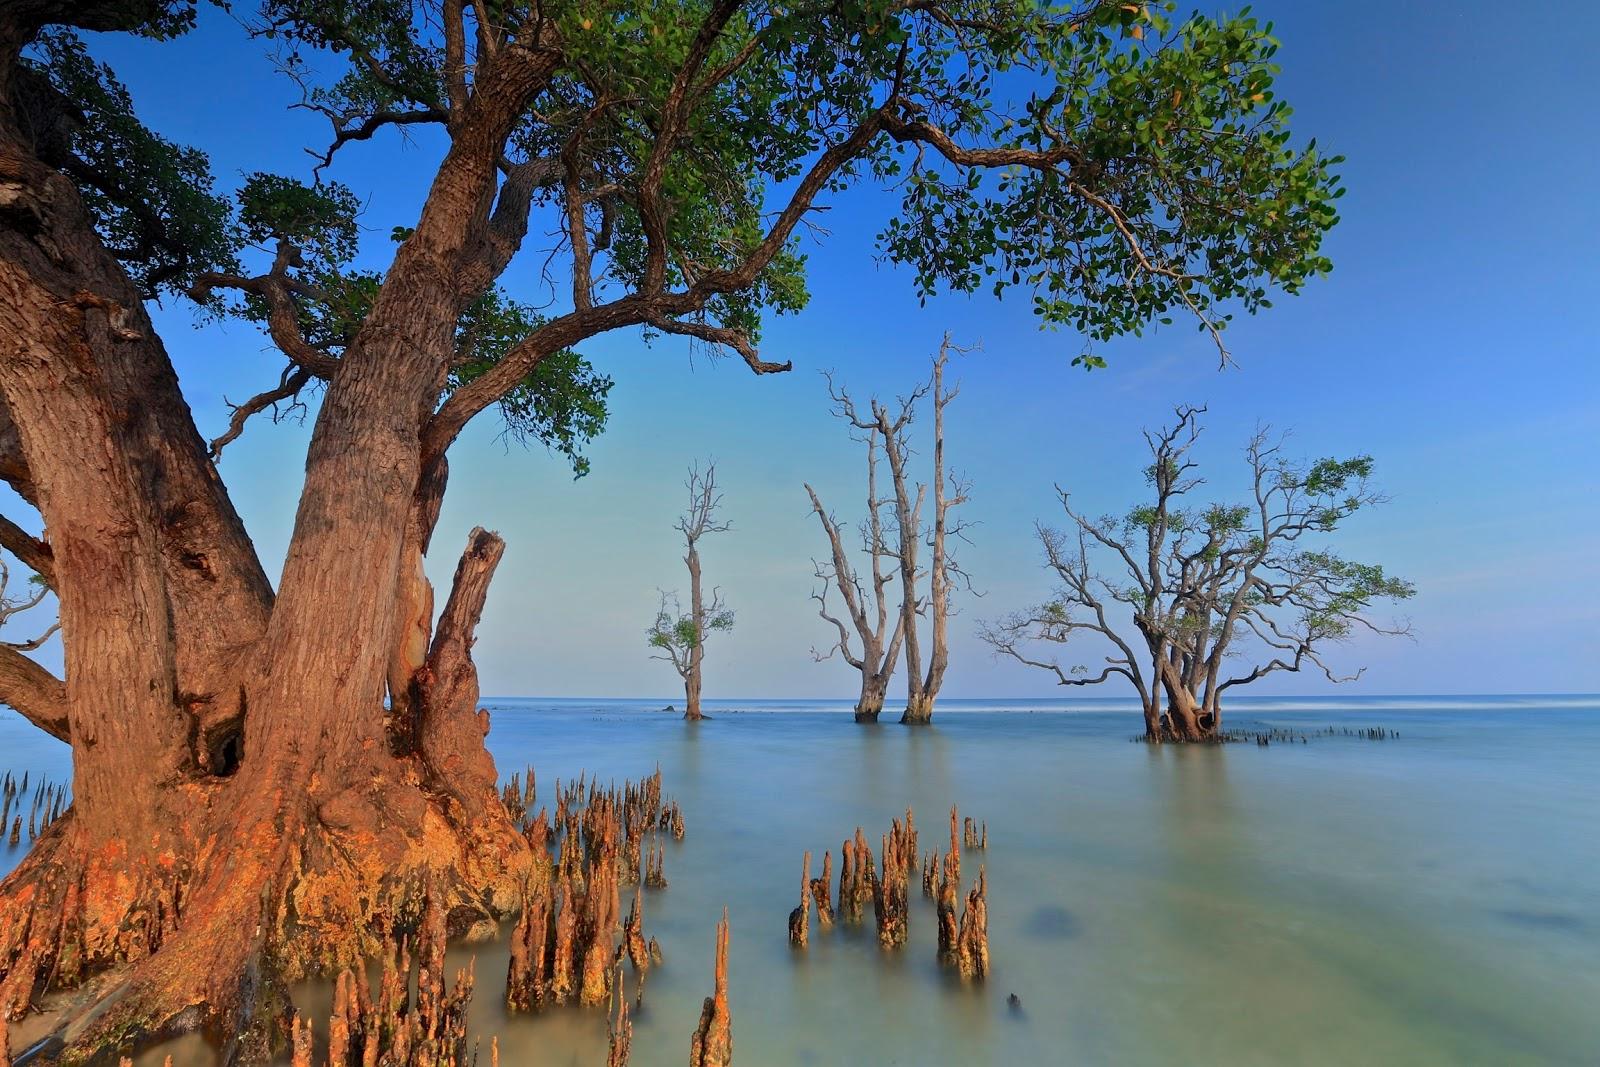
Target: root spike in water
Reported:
[(800, 916), (712, 1044)]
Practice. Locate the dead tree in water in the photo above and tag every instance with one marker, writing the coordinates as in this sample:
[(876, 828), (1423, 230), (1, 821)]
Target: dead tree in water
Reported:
[(681, 637), (866, 604), (923, 689), (890, 429), (1198, 586)]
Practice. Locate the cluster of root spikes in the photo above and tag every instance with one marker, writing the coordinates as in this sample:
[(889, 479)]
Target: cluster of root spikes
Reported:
[(571, 938), (963, 944), (45, 805), (1278, 736), (711, 1044), (389, 1027)]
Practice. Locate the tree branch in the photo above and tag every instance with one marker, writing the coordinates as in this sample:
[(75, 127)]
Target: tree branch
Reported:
[(34, 693), (34, 552), (295, 378), (283, 314), (639, 308), (721, 335)]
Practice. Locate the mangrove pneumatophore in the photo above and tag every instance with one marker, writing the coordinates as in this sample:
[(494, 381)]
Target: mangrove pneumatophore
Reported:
[(798, 917), (972, 942), (945, 896), (712, 1044), (889, 896), (856, 875), (48, 801), (619, 1030), (394, 1028), (963, 941), (571, 934), (820, 890)]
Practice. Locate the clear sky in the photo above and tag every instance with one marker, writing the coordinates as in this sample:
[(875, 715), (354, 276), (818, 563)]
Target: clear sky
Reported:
[(1456, 341)]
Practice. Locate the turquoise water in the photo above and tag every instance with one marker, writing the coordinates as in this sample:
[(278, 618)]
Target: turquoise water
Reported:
[(1431, 899)]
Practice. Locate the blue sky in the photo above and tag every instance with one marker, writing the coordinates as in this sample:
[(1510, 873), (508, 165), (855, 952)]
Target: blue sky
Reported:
[(1455, 341)]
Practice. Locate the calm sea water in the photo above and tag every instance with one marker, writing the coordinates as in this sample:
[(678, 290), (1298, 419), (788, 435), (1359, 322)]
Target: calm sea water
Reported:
[(1431, 899)]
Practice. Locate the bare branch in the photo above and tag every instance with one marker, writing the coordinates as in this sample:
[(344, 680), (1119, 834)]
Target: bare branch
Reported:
[(345, 131), (34, 693), (34, 552), (295, 378), (721, 335)]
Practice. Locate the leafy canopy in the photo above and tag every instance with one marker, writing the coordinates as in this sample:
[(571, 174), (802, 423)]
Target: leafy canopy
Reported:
[(1117, 162)]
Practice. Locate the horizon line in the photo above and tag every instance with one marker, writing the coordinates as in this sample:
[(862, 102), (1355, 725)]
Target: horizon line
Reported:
[(1134, 698)]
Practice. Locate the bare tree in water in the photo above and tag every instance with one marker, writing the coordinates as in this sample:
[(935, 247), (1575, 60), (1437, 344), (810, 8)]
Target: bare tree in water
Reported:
[(949, 492), (866, 599), (890, 428), (1190, 588), (681, 636)]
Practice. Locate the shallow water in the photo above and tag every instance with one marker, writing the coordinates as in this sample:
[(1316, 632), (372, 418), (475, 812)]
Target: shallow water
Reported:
[(1431, 899)]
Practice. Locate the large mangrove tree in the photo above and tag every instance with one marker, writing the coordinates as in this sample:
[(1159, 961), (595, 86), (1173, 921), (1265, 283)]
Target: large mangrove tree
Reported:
[(1188, 601)]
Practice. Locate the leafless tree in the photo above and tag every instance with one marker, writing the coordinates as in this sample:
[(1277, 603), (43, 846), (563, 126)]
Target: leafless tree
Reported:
[(866, 602), (1200, 586), (890, 428), (949, 492), (680, 637)]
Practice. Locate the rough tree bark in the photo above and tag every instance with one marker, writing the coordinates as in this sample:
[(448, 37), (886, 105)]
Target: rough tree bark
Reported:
[(171, 634)]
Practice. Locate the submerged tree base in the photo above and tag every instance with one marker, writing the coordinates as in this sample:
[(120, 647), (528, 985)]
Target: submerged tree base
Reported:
[(133, 952), (1268, 737), (146, 948)]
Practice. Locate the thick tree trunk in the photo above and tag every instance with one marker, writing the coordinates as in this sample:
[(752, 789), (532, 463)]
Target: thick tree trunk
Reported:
[(1185, 718), (69, 303), (122, 685), (180, 897), (158, 590), (691, 696), (874, 691), (1152, 719), (919, 709)]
